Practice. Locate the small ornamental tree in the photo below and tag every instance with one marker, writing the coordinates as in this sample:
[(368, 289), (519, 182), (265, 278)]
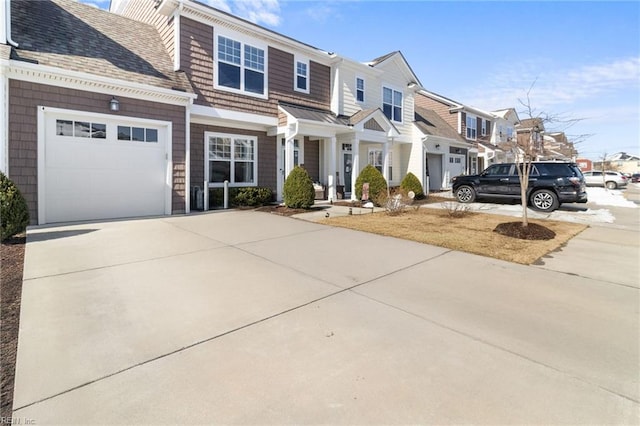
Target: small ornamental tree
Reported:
[(298, 192), (14, 213), (377, 184), (411, 183)]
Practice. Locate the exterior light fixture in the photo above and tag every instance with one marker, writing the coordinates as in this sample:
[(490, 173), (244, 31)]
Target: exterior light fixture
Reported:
[(412, 85), (437, 146), (114, 104)]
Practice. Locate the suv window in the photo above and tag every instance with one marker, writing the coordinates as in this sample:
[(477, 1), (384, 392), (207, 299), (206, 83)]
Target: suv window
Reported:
[(498, 169), (558, 169)]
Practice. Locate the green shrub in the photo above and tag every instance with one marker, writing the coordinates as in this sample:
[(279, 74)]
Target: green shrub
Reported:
[(298, 192), (411, 183), (14, 213), (377, 184), (252, 197)]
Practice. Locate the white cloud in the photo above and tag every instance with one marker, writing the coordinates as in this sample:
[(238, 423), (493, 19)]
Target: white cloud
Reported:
[(555, 87), (258, 11), (219, 4)]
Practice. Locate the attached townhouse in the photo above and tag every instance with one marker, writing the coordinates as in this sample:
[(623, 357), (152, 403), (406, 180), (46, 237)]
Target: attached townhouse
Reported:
[(94, 116), (131, 112), (471, 125), (267, 103)]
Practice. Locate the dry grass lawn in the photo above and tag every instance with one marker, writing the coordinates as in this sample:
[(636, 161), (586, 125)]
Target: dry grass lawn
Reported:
[(472, 233)]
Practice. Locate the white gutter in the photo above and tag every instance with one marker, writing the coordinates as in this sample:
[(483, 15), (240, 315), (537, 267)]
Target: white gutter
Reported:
[(8, 23)]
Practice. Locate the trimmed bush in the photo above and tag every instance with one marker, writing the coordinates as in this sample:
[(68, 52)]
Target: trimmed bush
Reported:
[(298, 192), (411, 183), (377, 184), (251, 196), (14, 214)]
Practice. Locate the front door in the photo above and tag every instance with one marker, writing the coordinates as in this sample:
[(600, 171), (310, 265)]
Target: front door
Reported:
[(347, 160), (282, 163)]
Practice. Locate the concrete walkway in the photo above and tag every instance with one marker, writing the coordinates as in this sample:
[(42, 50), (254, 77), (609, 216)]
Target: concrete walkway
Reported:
[(252, 318)]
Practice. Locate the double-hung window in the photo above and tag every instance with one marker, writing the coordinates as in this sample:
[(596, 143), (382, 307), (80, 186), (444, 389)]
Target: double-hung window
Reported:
[(232, 158), (241, 67), (392, 104), (359, 89), (472, 124), (484, 127), (302, 75), (376, 159)]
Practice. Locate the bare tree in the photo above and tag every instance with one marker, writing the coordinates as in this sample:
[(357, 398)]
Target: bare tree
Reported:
[(528, 146)]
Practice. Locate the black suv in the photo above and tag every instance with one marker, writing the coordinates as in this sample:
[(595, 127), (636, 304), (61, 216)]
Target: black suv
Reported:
[(550, 184)]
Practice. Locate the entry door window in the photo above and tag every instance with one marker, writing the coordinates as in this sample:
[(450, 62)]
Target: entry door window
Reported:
[(296, 152)]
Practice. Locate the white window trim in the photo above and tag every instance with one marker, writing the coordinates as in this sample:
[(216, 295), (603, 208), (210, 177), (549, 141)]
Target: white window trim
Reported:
[(302, 60), (393, 89), (364, 90), (208, 135), (243, 41), (475, 126)]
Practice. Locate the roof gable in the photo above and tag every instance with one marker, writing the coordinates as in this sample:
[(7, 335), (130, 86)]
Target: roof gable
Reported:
[(400, 61)]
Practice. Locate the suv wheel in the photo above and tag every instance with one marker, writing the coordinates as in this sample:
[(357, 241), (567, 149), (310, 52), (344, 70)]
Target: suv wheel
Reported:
[(544, 200), (465, 194), (611, 185)]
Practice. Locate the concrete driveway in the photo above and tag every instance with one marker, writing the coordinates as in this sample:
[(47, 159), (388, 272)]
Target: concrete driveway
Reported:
[(246, 317)]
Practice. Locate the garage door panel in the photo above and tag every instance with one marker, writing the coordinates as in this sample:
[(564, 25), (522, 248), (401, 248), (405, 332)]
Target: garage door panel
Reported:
[(88, 178)]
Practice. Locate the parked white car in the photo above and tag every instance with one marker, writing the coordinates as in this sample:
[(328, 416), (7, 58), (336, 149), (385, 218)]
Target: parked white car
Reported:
[(612, 180)]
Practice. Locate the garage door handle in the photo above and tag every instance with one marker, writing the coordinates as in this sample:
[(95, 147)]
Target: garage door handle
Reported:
[(504, 180)]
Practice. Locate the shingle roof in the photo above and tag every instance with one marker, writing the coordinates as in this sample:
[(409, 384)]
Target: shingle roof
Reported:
[(430, 123), (361, 115), (312, 114), (73, 36)]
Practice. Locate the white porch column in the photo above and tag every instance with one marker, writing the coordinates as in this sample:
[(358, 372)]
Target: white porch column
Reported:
[(355, 168), (288, 157), (385, 161), (331, 178)]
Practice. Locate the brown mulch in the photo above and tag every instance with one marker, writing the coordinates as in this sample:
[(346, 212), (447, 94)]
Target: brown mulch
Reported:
[(12, 252), (281, 210), (532, 231)]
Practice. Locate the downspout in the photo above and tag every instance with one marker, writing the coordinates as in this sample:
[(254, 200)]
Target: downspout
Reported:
[(8, 23), (187, 157), (424, 157)]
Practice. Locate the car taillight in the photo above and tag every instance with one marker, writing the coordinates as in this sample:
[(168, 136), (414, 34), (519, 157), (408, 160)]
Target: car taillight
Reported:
[(575, 181)]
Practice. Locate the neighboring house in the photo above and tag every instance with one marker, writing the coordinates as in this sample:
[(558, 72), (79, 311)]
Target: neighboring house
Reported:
[(473, 124), (95, 118), (443, 148), (377, 98), (584, 164), (621, 162), (503, 137), (529, 137), (556, 146)]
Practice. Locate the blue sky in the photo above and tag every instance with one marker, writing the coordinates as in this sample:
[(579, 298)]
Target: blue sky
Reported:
[(584, 57)]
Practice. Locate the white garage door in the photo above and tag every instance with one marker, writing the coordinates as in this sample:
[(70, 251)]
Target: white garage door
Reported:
[(102, 167)]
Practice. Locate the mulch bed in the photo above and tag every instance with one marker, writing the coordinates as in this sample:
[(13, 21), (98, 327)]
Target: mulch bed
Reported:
[(532, 231), (12, 253)]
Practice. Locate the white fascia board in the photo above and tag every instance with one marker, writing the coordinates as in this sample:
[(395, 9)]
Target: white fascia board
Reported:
[(224, 117), (316, 128), (210, 16), (53, 76)]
